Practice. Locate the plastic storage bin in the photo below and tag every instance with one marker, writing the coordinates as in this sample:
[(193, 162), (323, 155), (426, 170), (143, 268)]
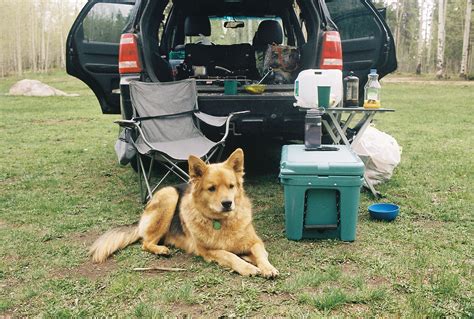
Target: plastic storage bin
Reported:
[(322, 191)]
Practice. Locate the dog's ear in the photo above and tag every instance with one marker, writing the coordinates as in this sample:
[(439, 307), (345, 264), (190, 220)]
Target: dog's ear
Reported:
[(236, 161), (197, 167)]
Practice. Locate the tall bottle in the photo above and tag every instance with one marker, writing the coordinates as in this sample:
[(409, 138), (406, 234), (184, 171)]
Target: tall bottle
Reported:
[(351, 90), (372, 91)]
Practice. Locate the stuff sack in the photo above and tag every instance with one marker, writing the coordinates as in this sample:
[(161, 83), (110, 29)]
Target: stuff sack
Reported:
[(380, 153), (284, 60), (124, 147)]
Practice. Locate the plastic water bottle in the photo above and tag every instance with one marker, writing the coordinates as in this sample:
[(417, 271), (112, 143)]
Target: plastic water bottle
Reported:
[(372, 91), (312, 131)]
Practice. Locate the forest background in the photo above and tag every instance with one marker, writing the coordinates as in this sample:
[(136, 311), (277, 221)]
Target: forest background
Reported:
[(431, 36)]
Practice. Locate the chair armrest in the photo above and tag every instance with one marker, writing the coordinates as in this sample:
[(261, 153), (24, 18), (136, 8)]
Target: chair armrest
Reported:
[(127, 123), (212, 120), (217, 121), (227, 123)]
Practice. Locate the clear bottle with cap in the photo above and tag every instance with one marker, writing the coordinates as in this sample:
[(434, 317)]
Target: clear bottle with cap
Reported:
[(372, 91)]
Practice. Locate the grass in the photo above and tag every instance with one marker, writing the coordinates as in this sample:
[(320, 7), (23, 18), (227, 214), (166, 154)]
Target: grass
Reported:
[(60, 187)]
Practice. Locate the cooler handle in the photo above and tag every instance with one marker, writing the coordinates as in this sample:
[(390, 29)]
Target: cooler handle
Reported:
[(321, 227)]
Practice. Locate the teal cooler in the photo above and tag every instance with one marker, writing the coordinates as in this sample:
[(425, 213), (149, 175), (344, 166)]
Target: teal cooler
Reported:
[(322, 191)]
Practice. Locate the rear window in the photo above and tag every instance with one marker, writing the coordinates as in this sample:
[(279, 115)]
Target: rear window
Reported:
[(105, 22), (223, 36)]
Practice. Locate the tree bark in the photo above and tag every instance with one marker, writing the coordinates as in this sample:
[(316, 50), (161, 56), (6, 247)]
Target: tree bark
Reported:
[(18, 45), (466, 42), (399, 16), (440, 63), (421, 39)]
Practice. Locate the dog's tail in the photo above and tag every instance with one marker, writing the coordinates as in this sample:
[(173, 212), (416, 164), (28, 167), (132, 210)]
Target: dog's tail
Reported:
[(112, 241)]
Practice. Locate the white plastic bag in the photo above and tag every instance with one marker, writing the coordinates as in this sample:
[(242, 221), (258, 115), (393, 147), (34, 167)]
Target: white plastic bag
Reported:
[(380, 153)]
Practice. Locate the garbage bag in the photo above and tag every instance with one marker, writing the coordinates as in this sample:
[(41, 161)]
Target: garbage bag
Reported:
[(380, 153)]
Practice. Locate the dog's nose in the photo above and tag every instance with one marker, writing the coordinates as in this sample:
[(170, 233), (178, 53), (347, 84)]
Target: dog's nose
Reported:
[(227, 204)]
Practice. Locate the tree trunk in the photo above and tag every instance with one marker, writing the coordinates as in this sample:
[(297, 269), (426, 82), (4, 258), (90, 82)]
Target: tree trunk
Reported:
[(440, 63), (398, 30), (466, 42), (429, 36), (18, 51), (421, 39)]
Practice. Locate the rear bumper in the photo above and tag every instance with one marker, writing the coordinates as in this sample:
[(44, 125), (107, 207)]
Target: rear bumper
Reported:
[(270, 115)]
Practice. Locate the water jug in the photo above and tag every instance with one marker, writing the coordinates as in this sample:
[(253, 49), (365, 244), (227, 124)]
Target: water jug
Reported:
[(306, 87)]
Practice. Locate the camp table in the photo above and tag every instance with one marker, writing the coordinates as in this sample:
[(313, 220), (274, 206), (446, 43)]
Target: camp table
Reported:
[(337, 128)]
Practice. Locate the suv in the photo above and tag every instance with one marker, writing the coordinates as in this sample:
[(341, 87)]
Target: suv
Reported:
[(113, 42)]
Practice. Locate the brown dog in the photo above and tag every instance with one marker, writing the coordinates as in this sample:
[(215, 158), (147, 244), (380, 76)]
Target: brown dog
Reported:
[(210, 217)]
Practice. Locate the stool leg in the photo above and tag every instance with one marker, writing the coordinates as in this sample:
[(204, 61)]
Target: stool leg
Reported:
[(349, 208), (294, 211)]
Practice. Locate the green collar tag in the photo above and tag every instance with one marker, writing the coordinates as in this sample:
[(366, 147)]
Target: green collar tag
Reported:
[(216, 224)]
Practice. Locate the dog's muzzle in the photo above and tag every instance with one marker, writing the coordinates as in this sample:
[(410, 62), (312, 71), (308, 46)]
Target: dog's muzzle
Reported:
[(226, 205)]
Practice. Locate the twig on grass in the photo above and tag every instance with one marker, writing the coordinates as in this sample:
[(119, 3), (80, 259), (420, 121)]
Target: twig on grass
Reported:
[(159, 269)]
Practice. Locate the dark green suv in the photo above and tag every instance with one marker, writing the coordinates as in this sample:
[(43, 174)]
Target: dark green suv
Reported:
[(113, 42)]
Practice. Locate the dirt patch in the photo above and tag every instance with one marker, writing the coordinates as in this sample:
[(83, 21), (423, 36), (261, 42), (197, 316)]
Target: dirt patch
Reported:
[(377, 281), (83, 239), (87, 270), (430, 224), (349, 268), (352, 310), (91, 270), (183, 310), (280, 298), (426, 81)]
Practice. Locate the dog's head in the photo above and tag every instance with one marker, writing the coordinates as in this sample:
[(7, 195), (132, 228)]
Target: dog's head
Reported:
[(217, 188)]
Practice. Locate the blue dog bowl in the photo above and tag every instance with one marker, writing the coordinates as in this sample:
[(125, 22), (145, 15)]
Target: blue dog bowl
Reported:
[(384, 211)]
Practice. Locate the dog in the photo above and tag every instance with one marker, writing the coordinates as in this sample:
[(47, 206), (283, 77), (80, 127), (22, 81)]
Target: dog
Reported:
[(210, 217)]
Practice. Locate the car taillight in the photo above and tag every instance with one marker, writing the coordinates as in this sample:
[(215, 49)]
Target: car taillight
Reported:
[(331, 56), (129, 61)]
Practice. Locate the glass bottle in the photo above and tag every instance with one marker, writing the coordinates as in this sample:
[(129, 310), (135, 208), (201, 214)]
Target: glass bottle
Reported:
[(372, 91), (351, 86)]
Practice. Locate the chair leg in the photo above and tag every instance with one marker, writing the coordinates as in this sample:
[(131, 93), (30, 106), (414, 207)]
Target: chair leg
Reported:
[(219, 154), (145, 177), (139, 173)]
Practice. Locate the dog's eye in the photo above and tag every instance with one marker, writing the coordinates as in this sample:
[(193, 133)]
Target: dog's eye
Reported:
[(212, 189), (231, 186)]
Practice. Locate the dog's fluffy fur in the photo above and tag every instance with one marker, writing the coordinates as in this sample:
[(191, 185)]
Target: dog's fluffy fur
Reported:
[(185, 217)]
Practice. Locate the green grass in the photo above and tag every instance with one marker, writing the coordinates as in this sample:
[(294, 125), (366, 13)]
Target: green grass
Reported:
[(60, 187)]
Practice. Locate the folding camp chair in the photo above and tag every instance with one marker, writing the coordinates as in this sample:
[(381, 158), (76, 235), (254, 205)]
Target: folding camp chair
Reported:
[(166, 121)]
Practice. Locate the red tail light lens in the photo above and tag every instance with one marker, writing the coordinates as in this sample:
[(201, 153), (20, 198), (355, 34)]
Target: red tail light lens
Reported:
[(129, 61), (331, 57)]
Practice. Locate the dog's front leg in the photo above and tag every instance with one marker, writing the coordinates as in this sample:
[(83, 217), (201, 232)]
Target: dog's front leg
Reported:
[(260, 256), (230, 260)]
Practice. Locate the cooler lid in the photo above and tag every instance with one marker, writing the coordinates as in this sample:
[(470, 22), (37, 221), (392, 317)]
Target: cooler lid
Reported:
[(329, 160)]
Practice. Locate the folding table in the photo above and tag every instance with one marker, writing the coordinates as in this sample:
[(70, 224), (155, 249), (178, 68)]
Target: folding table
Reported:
[(337, 127)]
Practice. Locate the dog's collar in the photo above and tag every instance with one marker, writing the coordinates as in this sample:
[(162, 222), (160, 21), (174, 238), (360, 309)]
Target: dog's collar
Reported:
[(216, 224)]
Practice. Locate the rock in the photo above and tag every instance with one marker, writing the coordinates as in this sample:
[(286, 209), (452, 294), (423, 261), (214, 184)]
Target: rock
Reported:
[(35, 88)]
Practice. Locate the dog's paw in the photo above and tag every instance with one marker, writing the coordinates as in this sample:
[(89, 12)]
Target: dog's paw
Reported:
[(269, 272), (163, 251), (249, 270)]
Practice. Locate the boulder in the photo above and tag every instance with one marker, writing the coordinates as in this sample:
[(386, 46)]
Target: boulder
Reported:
[(35, 88)]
